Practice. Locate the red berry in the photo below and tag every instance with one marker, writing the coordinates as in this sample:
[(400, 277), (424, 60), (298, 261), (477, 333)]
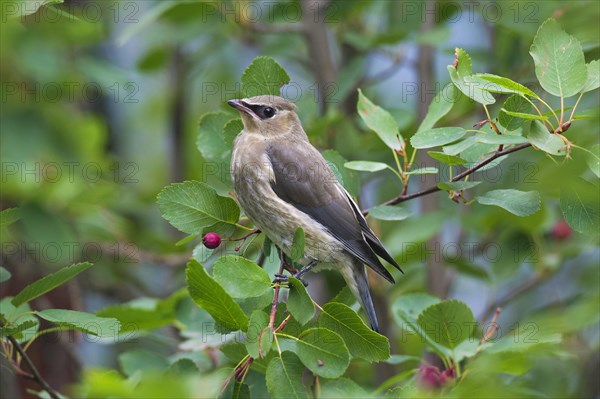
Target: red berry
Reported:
[(561, 230), (211, 240), (447, 375), (430, 377)]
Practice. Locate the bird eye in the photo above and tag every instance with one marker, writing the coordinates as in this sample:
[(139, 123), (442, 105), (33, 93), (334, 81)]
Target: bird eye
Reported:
[(267, 112)]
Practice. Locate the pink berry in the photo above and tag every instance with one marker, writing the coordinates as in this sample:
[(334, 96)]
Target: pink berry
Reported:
[(447, 375), (211, 240), (561, 230), (430, 377)]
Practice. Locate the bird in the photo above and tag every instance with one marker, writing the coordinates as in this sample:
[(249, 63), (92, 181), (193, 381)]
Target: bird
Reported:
[(282, 182)]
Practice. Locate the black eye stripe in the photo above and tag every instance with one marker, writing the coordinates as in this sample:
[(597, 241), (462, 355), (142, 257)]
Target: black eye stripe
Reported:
[(263, 111)]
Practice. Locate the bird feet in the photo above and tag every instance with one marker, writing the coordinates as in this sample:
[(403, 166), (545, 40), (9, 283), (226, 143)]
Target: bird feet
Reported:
[(283, 279)]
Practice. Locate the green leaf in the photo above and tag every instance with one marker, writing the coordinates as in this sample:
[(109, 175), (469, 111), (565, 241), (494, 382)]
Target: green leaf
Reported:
[(299, 303), (450, 160), (284, 377), (323, 352), (297, 249), (140, 360), (210, 296), (387, 212), (559, 61), (440, 106), (457, 148), (579, 206), (499, 84), (18, 322), (541, 138), (259, 336), (436, 137), (138, 317), (480, 151), (515, 104), (240, 277), (190, 206), (263, 76), (342, 388), (82, 321), (492, 138), (448, 323), (361, 341), (520, 203), (366, 166), (210, 141), (49, 283), (522, 115), (4, 274), (380, 121), (593, 76), (9, 216), (240, 391), (348, 178), (430, 170), (28, 7), (593, 159), (460, 76), (458, 185), (231, 130)]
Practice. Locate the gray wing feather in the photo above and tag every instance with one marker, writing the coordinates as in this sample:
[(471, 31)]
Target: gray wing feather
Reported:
[(315, 192)]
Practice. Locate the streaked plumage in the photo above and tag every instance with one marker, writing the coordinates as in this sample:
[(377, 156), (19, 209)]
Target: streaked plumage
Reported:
[(282, 182)]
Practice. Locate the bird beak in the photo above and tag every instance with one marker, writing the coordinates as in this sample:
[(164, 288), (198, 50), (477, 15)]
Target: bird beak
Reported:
[(241, 106)]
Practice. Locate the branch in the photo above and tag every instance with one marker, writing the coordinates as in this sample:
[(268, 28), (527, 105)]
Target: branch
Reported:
[(405, 197), (35, 374), (383, 74)]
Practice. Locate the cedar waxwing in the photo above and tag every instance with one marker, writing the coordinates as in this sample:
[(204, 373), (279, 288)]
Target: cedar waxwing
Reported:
[(282, 182)]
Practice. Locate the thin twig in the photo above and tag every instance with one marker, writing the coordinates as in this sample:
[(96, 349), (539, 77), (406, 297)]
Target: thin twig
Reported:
[(35, 374), (405, 197), (276, 295)]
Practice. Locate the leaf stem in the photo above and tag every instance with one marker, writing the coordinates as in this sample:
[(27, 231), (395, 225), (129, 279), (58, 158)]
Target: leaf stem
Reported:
[(575, 107)]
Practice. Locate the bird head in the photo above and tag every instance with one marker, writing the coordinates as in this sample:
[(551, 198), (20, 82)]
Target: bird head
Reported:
[(268, 116)]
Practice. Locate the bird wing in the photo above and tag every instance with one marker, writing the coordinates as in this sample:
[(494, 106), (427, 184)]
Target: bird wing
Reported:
[(302, 178)]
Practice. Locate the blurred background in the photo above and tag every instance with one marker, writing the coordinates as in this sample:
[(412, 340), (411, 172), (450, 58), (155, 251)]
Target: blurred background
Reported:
[(100, 108)]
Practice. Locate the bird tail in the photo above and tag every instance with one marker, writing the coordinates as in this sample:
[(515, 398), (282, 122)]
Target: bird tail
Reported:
[(362, 286)]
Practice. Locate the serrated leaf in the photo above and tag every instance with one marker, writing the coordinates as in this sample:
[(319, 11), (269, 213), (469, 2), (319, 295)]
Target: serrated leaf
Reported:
[(231, 130), (450, 160), (297, 249), (240, 277), (480, 151), (263, 76), (440, 106), (210, 141), (16, 330), (259, 336), (9, 216), (460, 75), (592, 81), (429, 170), (82, 321), (580, 206), (490, 138), (520, 203), (559, 60), (458, 185), (522, 115), (500, 84), (366, 166), (323, 352), (515, 104), (541, 138), (436, 137), (348, 178), (448, 323), (380, 121), (14, 320), (361, 341), (387, 212), (284, 377), (593, 159), (4, 274), (190, 206), (299, 303), (49, 283), (211, 296)]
